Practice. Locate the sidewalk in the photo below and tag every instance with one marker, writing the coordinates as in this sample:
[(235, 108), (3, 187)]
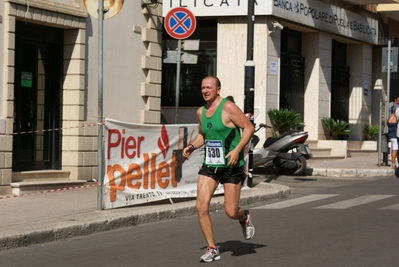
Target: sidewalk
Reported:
[(365, 166), (44, 217)]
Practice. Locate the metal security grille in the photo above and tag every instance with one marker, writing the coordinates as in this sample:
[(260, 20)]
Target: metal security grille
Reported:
[(292, 81), (340, 75), (292, 88), (340, 92)]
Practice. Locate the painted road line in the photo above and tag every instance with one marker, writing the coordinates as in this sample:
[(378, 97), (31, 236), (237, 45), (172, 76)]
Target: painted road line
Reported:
[(355, 202), (295, 201), (393, 207)]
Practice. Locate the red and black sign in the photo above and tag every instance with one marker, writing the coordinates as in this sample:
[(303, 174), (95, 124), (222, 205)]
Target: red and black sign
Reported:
[(180, 23)]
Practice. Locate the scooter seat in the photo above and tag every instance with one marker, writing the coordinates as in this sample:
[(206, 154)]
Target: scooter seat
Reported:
[(271, 140)]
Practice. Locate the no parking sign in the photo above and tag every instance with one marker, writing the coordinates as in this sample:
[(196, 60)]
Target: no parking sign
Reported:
[(180, 23)]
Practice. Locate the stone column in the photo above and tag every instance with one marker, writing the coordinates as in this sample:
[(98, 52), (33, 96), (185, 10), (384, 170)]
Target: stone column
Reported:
[(359, 58), (317, 53)]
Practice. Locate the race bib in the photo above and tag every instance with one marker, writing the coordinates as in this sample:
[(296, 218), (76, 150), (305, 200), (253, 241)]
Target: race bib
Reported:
[(214, 152)]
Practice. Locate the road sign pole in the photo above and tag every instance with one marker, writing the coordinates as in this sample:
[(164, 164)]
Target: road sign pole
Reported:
[(387, 111), (177, 91), (179, 23), (100, 149), (249, 83), (379, 135)]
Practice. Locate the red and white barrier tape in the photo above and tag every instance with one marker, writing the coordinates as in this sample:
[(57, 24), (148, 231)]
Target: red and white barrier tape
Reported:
[(51, 191), (59, 129), (59, 189)]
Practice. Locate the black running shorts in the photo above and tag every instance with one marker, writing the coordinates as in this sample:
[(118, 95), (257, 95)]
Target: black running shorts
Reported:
[(224, 175)]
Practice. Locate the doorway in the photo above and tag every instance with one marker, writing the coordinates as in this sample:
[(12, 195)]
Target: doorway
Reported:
[(37, 97), (292, 81), (340, 74)]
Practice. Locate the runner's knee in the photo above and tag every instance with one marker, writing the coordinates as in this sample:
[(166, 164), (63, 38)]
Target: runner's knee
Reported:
[(202, 208), (231, 213)]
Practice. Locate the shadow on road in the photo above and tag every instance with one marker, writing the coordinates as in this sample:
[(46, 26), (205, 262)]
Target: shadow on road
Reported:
[(238, 248), (270, 178)]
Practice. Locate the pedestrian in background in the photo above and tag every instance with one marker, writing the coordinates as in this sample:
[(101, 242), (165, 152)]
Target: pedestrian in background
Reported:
[(394, 102), (224, 131), (393, 134)]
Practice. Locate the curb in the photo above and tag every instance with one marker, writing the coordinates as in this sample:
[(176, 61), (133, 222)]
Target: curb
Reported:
[(352, 173), (114, 219)]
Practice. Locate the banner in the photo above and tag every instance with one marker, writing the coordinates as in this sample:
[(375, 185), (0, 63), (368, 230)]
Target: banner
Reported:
[(144, 163)]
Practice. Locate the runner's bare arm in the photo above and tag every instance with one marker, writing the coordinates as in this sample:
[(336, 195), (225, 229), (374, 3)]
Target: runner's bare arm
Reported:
[(233, 116), (198, 140)]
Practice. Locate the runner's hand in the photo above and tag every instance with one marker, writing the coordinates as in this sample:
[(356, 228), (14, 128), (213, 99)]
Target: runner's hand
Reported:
[(232, 158)]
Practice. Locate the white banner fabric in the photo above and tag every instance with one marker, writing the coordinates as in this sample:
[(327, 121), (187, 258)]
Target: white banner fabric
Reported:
[(144, 163)]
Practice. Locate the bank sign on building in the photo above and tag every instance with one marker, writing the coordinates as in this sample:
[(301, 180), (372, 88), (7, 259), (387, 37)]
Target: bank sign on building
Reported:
[(310, 13)]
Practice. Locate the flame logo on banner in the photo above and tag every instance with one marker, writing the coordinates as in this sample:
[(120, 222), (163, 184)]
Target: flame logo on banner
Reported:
[(163, 141)]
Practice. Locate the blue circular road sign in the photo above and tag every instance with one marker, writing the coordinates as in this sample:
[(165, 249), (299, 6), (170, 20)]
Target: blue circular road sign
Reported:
[(180, 23)]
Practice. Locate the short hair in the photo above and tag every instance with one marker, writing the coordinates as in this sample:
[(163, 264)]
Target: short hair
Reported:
[(395, 96), (218, 84)]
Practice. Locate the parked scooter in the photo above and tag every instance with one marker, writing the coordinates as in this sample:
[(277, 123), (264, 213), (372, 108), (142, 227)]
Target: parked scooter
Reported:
[(287, 152)]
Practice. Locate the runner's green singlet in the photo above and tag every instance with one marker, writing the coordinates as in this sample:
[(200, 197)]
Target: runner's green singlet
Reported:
[(219, 139)]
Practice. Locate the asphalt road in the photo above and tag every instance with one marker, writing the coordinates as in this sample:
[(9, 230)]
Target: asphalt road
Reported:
[(324, 222)]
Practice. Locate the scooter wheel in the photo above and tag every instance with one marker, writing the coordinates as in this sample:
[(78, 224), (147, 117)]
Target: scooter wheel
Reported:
[(301, 162)]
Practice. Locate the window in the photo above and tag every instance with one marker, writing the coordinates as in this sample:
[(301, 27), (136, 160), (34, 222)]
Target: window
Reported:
[(191, 75)]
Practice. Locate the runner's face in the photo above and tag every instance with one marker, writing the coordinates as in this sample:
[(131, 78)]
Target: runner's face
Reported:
[(209, 89)]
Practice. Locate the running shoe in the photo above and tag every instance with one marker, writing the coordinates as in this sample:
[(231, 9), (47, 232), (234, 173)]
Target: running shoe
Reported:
[(248, 229), (212, 254)]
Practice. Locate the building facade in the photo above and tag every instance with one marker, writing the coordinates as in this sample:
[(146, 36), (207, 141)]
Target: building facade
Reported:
[(49, 80), (320, 58)]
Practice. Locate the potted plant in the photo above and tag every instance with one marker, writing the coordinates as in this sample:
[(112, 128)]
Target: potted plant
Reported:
[(371, 131), (284, 119), (339, 129)]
